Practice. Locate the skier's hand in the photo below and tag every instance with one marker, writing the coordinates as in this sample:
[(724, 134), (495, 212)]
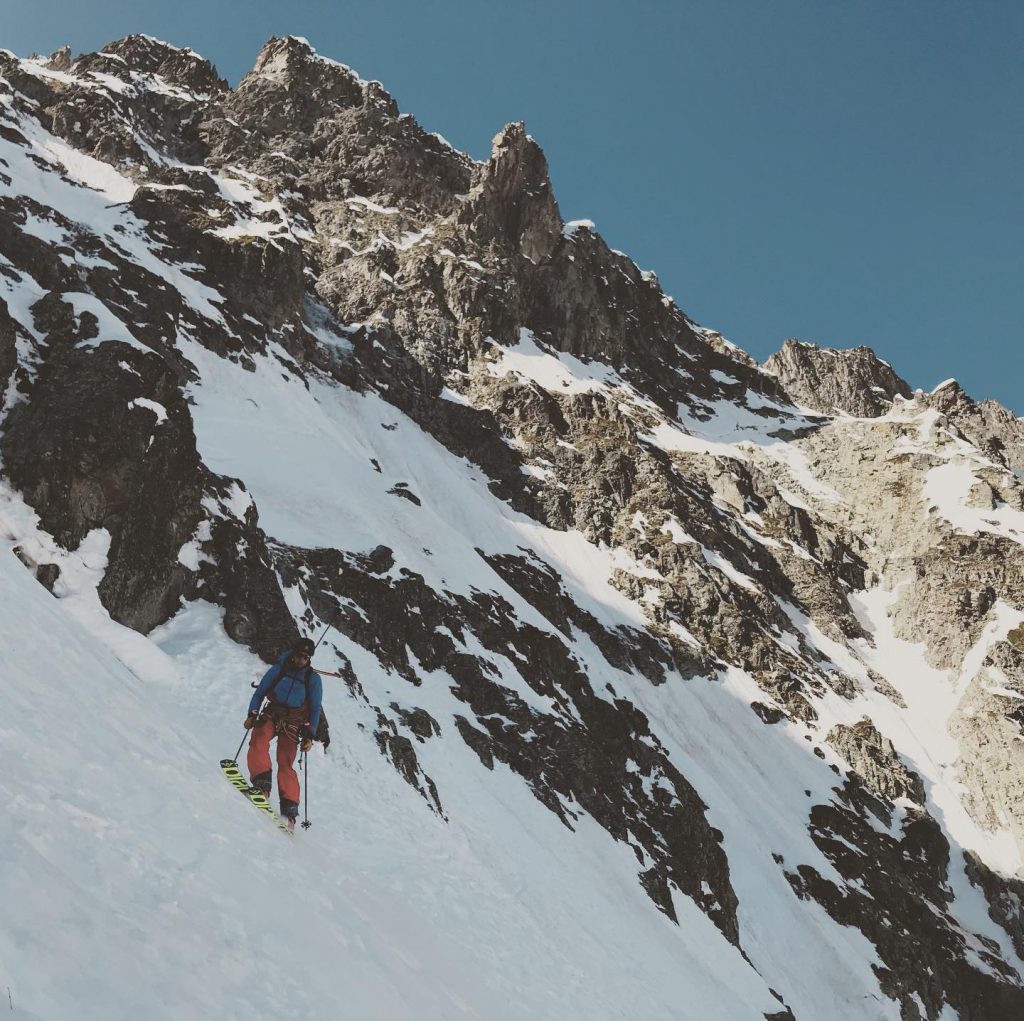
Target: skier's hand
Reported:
[(307, 737), (251, 720)]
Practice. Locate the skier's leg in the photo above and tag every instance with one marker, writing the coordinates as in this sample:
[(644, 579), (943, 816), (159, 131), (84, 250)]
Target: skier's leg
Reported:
[(258, 759), (287, 778)]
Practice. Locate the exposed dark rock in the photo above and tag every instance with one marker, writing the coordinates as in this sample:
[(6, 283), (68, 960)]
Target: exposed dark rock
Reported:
[(401, 489), (954, 591), (873, 757), (769, 714), (1005, 896), (340, 136), (419, 721), (1016, 638), (400, 751), (540, 585), (47, 575), (8, 354), (131, 469), (42, 261), (242, 580), (789, 691), (379, 560), (578, 760), (183, 67), (986, 424), (897, 894), (260, 276), (123, 124), (60, 59)]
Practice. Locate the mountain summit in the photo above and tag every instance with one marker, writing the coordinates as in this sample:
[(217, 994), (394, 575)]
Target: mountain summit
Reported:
[(665, 684)]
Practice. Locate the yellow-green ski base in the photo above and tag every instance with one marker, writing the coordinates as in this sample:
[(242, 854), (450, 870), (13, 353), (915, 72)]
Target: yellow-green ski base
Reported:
[(237, 779)]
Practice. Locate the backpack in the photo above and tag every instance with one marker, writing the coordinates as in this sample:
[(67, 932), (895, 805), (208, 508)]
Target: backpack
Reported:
[(323, 731)]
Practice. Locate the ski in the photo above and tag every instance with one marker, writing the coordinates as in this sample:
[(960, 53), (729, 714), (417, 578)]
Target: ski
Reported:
[(237, 779)]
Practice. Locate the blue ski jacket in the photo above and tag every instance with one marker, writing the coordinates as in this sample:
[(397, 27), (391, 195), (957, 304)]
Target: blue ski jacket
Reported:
[(286, 686)]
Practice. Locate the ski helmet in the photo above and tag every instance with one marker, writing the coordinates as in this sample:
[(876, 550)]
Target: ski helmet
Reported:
[(303, 647)]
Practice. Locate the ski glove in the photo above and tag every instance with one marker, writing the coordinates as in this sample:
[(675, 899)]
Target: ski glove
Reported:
[(307, 737), (251, 720)]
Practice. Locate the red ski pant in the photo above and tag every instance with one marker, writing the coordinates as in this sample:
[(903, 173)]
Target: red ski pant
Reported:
[(259, 758)]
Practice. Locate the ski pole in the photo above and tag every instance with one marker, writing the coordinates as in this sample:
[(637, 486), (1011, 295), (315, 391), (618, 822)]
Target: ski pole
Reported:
[(245, 737), (326, 629), (305, 784)]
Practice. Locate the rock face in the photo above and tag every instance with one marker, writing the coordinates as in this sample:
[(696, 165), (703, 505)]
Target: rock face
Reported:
[(873, 758), (300, 117), (84, 471), (856, 381), (511, 202), (8, 352), (280, 349), (987, 425)]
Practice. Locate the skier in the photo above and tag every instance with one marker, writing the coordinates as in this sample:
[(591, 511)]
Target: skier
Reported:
[(293, 691)]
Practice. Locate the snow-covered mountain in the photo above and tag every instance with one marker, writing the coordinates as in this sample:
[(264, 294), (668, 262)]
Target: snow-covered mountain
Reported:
[(670, 685)]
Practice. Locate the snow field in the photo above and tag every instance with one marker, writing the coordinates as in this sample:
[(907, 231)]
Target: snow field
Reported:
[(136, 882)]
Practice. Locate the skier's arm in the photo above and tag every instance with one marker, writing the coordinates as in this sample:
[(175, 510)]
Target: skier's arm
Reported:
[(264, 686), (316, 696)]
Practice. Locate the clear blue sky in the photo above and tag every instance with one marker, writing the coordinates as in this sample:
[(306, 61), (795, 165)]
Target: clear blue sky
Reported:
[(842, 172)]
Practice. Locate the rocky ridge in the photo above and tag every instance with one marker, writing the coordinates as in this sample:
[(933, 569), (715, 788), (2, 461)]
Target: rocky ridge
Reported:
[(838, 553), (854, 381)]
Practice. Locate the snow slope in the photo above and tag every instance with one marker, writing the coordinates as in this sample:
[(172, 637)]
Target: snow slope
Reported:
[(137, 883)]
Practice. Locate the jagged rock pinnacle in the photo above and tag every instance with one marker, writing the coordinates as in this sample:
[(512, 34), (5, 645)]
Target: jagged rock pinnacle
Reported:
[(512, 198), (855, 381), (181, 66), (294, 64), (60, 59)]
